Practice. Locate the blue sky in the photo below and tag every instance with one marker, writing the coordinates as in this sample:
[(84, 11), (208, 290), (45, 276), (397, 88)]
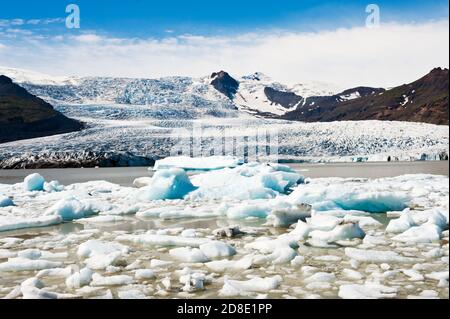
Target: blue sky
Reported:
[(293, 41), (141, 18)]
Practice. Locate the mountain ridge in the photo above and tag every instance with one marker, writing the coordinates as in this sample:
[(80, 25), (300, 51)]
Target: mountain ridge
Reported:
[(24, 116)]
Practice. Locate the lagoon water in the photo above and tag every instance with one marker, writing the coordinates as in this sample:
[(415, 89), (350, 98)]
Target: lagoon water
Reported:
[(125, 176)]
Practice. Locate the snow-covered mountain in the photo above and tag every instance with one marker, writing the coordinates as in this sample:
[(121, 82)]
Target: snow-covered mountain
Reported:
[(182, 97)]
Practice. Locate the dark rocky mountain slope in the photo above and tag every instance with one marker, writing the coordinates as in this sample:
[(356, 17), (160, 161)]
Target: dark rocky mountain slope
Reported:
[(23, 115), (425, 100)]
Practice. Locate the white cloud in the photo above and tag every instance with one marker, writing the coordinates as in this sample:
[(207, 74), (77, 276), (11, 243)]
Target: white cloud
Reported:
[(386, 56)]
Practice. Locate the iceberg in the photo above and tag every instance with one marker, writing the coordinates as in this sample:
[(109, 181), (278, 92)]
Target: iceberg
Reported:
[(373, 196), (6, 201), (167, 184), (70, 209), (248, 181), (34, 182)]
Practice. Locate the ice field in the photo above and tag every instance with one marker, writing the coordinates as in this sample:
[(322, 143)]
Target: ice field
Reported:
[(229, 230)]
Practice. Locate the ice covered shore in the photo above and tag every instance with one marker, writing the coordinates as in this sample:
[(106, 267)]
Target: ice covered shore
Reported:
[(255, 230)]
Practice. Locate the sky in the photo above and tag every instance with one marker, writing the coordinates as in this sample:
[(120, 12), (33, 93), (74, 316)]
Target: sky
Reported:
[(293, 41)]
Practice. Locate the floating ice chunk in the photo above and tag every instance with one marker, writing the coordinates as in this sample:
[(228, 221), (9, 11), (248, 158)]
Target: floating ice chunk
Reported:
[(193, 281), (99, 254), (167, 184), (434, 253), (229, 232), (425, 233), (371, 196), (245, 211), (41, 254), (278, 251), (34, 182), (188, 255), (297, 261), (156, 263), (367, 291), (6, 201), (438, 275), (12, 223), (343, 231), (53, 186), (249, 181), (71, 208), (119, 280), (249, 287), (97, 247), (377, 256), (32, 288), (24, 264), (55, 272), (6, 253), (363, 221), (413, 274), (217, 249), (323, 222), (287, 217), (144, 274), (163, 240), (301, 231), (190, 233), (198, 163), (352, 274), (79, 279), (321, 277), (231, 265), (401, 224)]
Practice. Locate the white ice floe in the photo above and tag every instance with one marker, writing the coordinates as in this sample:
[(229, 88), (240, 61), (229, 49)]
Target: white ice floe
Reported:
[(401, 224), (79, 279), (341, 232), (428, 232), (166, 184), (366, 291), (119, 280), (217, 249), (99, 254), (277, 251), (249, 287), (249, 181), (24, 264), (33, 288), (71, 208), (53, 186), (231, 265), (144, 274), (163, 240), (192, 281), (188, 255), (198, 163), (377, 256), (375, 196)]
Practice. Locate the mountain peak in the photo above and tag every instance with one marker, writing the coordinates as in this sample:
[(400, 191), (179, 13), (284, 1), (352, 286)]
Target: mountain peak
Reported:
[(5, 80), (225, 84)]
